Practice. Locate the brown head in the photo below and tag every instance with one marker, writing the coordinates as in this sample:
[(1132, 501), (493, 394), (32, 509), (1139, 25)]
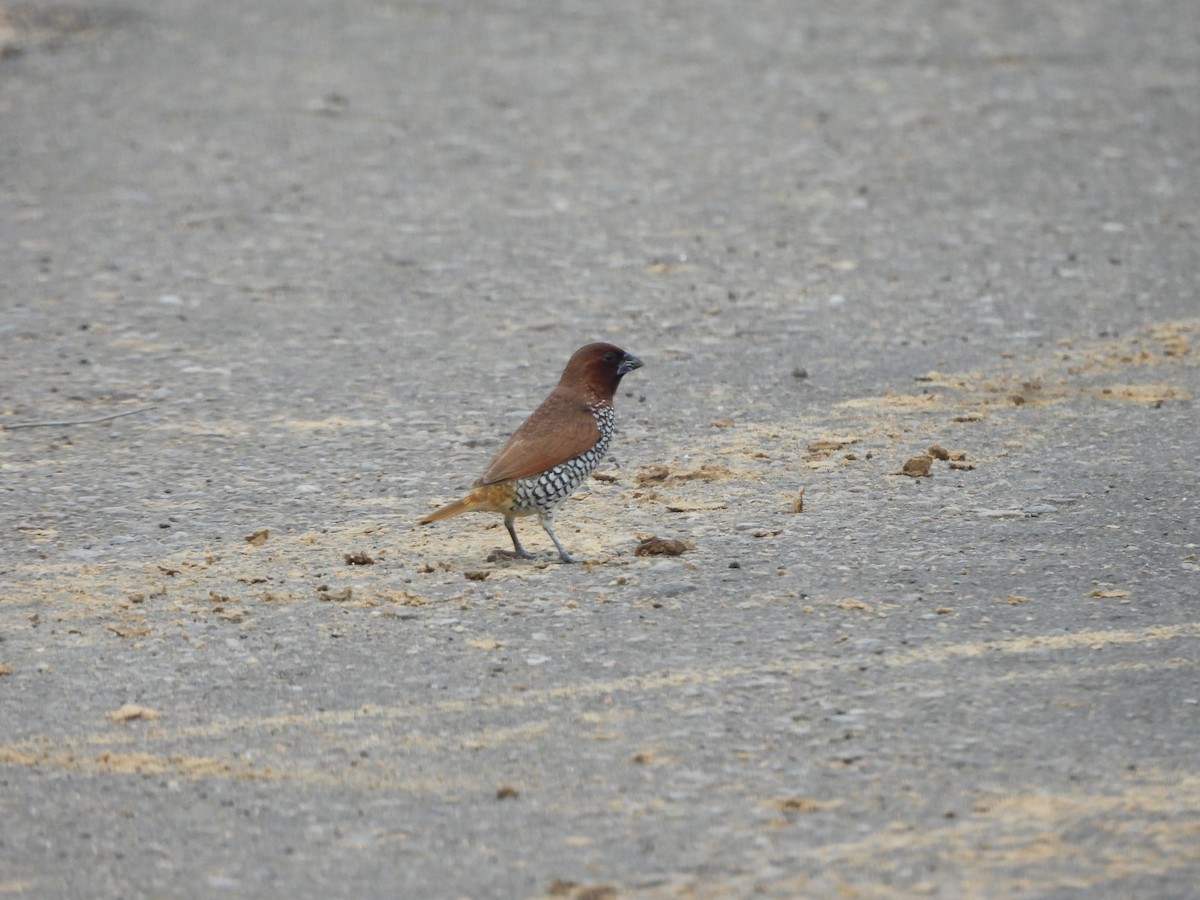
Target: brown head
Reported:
[(597, 369)]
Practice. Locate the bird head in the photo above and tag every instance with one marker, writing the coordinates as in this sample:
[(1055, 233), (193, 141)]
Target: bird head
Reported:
[(598, 369)]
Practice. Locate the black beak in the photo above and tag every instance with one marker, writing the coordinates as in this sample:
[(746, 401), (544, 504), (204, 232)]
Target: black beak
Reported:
[(628, 364)]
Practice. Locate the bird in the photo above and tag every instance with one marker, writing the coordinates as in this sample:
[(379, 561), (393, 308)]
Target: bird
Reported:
[(553, 450)]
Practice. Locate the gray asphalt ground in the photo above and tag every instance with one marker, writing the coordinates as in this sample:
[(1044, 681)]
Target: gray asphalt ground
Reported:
[(322, 257)]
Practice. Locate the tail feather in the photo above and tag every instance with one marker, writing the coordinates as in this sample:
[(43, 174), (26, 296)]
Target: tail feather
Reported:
[(450, 509), (486, 497)]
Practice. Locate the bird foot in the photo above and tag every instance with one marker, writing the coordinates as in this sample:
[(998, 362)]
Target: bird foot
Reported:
[(498, 553)]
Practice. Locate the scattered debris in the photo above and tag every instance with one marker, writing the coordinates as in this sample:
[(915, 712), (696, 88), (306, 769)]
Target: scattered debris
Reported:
[(697, 507), (477, 575), (921, 466), (340, 595), (358, 559), (660, 474), (652, 474), (656, 546), (802, 804), (258, 537), (706, 472), (826, 446), (129, 629), (574, 891), (916, 467), (131, 711)]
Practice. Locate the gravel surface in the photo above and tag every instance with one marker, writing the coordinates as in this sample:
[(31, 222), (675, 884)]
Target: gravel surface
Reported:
[(915, 284)]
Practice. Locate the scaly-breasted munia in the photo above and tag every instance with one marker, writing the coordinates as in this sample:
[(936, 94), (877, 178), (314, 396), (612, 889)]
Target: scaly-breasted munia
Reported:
[(554, 450)]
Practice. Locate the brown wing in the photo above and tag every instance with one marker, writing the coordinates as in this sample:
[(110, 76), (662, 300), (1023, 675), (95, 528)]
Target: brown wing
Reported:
[(560, 429)]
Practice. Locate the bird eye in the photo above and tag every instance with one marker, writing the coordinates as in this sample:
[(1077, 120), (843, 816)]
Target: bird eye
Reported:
[(610, 357)]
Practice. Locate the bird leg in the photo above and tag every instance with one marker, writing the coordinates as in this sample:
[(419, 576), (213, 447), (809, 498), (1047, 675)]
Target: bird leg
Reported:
[(517, 550), (546, 520)]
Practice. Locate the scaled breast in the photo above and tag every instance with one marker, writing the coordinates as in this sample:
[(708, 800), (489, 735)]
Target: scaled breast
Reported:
[(541, 493)]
